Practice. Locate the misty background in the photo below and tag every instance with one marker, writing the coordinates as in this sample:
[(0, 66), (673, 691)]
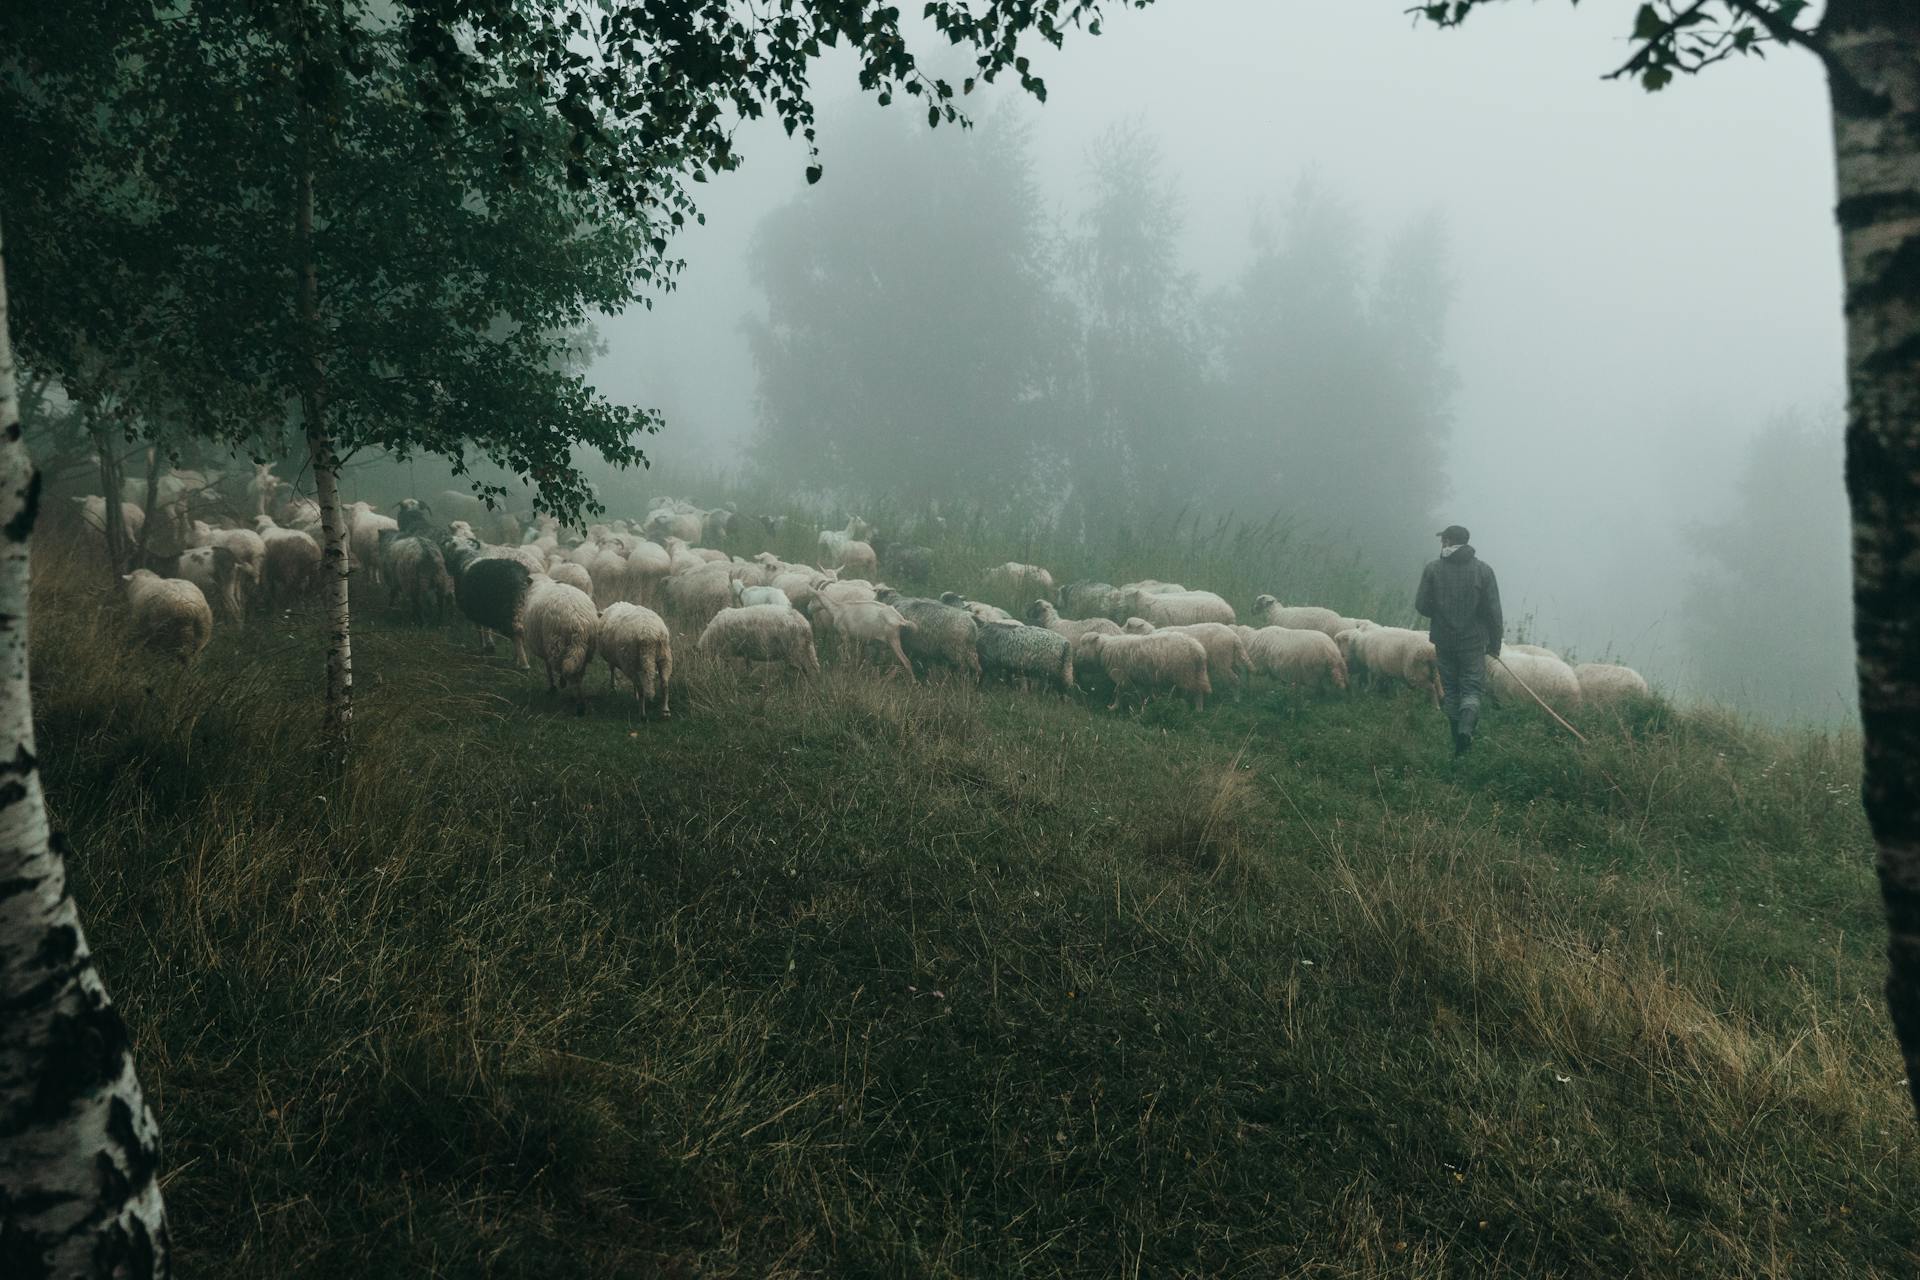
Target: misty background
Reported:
[(1309, 258)]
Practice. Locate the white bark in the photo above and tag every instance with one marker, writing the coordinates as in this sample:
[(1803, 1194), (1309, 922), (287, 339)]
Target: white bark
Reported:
[(79, 1148), (334, 562), (1872, 52)]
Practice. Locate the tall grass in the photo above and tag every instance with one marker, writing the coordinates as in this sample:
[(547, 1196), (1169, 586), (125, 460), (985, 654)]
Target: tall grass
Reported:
[(846, 977)]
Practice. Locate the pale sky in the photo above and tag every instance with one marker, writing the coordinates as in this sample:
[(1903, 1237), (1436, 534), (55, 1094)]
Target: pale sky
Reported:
[(1644, 280)]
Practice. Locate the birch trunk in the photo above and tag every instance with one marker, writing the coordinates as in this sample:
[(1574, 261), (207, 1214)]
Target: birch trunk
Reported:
[(79, 1149), (1872, 50), (326, 480)]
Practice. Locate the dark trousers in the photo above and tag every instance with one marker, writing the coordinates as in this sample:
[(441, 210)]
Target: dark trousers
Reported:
[(1463, 678)]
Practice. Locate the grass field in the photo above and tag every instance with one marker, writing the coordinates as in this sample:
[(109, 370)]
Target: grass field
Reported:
[(851, 979)]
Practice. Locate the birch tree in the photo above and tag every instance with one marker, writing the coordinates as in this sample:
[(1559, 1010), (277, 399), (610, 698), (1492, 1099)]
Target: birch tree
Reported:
[(1870, 50), (79, 1149)]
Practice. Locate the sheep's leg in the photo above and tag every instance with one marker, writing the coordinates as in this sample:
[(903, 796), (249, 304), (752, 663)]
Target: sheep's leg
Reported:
[(901, 654), (520, 649), (663, 672)]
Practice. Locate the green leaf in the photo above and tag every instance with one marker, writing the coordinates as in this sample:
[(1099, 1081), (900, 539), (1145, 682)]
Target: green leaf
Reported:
[(1656, 78), (813, 174), (1647, 23)]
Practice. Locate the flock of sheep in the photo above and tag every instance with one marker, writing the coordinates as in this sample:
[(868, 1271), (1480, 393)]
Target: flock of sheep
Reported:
[(627, 591)]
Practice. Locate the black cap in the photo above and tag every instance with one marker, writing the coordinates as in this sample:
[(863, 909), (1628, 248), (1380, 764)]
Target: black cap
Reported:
[(1453, 535)]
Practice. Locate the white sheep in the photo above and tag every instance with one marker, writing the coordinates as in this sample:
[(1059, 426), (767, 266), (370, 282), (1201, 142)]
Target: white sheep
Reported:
[(561, 624), (1549, 678), (832, 540), (1159, 660), (211, 570), (169, 614), (1536, 650), (292, 561), (762, 633), (572, 574), (647, 566), (745, 595), (1176, 608), (982, 613), (363, 536), (249, 552), (1226, 651), (856, 556), (1602, 682), (93, 511), (692, 599), (1017, 579), (1294, 655), (867, 622), (1308, 617), (634, 641), (1382, 655), (1041, 613)]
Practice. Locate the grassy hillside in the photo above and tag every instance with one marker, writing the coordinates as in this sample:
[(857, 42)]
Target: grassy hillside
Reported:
[(855, 979)]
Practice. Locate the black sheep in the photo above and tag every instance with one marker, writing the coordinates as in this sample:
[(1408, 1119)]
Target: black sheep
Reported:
[(492, 592)]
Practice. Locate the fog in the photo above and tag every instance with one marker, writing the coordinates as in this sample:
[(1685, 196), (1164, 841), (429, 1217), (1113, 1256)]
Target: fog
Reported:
[(1642, 285)]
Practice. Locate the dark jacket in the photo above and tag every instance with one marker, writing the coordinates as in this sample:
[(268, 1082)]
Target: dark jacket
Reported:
[(1461, 596)]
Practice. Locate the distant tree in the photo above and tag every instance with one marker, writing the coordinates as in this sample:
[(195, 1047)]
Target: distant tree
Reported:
[(1143, 359), (913, 329), (1771, 616), (1334, 389), (1870, 50)]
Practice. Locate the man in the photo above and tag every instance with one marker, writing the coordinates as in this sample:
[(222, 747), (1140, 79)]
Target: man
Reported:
[(1459, 593)]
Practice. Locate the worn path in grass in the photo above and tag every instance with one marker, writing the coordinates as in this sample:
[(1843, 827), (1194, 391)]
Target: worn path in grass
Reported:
[(854, 979)]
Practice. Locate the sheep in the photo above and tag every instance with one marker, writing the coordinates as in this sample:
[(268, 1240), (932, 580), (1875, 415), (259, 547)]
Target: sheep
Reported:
[(983, 613), (856, 556), (634, 641), (762, 633), (832, 540), (169, 614), (1152, 587), (667, 523), (414, 569), (1294, 655), (249, 552), (1042, 614), (647, 567), (1016, 578), (845, 591), (413, 516), (607, 571), (1303, 617), (1609, 682), (1020, 652), (906, 561), (262, 487), (1086, 598), (363, 536), (292, 561), (212, 570), (692, 599), (1175, 608), (1537, 650), (561, 624), (492, 593), (942, 633), (93, 511), (302, 514), (798, 585), (1421, 669), (1159, 660), (573, 575), (1382, 653), (746, 595), (1550, 679), (1226, 651), (865, 622)]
